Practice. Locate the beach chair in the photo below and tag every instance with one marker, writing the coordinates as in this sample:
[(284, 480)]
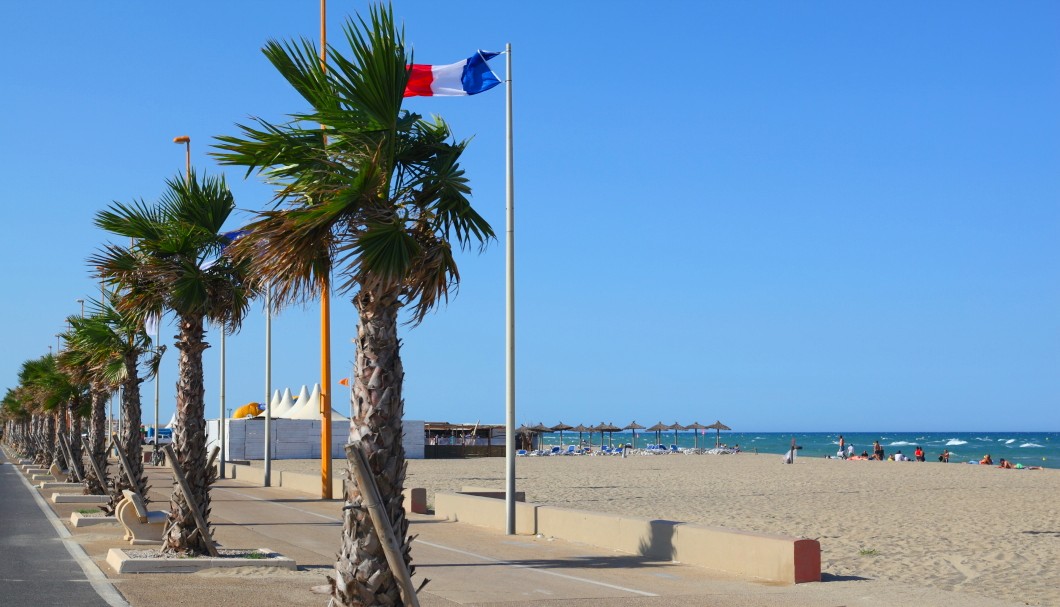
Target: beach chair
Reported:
[(554, 451), (572, 450), (674, 449), (605, 449), (521, 452)]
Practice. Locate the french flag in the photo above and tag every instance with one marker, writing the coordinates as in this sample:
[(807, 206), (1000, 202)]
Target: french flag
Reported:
[(468, 77)]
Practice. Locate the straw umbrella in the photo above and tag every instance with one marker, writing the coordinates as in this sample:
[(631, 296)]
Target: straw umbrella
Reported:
[(541, 428), (634, 426), (580, 428), (719, 427), (561, 427), (523, 430), (697, 427), (610, 429), (675, 427), (657, 429)]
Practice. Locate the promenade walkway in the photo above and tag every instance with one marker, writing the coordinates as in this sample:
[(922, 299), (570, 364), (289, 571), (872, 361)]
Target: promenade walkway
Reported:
[(466, 565)]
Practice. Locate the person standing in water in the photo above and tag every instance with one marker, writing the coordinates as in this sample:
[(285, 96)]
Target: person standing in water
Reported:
[(842, 447)]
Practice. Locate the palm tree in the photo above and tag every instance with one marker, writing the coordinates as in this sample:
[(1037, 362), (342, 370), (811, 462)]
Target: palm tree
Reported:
[(49, 390), (379, 196), (112, 345), (95, 345), (176, 263)]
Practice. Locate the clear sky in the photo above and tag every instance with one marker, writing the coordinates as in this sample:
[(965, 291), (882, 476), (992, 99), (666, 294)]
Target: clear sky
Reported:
[(784, 215)]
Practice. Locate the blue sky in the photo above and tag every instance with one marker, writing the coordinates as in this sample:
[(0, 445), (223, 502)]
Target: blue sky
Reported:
[(784, 215)]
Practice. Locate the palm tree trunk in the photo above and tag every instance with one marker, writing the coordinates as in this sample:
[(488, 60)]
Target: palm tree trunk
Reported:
[(74, 437), (130, 439), (97, 445), (189, 442), (362, 576), (49, 439)]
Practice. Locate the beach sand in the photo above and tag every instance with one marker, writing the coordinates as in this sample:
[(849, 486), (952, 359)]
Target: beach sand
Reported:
[(977, 529)]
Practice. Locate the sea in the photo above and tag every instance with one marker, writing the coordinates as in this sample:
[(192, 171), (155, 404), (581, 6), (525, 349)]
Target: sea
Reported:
[(1027, 448)]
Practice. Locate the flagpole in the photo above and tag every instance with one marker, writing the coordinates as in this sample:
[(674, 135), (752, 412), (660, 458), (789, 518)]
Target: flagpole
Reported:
[(509, 284)]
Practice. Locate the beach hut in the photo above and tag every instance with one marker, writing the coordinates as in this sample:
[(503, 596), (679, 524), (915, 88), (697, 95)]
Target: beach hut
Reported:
[(634, 426), (560, 427), (675, 427), (697, 427), (657, 429), (719, 427)]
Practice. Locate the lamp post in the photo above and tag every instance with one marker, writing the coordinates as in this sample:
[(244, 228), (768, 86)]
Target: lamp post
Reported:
[(187, 155), (82, 302)]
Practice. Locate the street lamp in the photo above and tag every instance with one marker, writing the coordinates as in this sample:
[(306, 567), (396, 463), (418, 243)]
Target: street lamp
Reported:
[(82, 302), (187, 155)]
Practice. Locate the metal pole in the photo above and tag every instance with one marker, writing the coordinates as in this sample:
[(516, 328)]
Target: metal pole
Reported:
[(221, 414), (158, 377), (268, 385), (325, 321), (509, 283)]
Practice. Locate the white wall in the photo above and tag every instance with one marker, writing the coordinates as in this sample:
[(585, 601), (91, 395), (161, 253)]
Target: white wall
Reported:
[(297, 438)]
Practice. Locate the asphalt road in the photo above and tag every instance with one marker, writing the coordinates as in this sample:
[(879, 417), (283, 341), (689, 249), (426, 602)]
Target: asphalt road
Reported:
[(36, 567)]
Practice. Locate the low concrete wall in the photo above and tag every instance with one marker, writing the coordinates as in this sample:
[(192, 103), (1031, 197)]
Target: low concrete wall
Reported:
[(415, 499), (650, 538), (485, 512), (760, 556)]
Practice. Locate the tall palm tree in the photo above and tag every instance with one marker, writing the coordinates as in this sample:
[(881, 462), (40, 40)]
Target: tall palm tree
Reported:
[(176, 263), (379, 196), (49, 389), (95, 346), (114, 347)]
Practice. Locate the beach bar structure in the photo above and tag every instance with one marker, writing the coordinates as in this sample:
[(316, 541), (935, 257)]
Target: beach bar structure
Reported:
[(445, 440)]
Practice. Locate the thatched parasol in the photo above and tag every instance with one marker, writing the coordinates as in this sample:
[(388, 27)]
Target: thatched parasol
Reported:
[(540, 428), (560, 427), (675, 427), (634, 426), (610, 429), (657, 429), (580, 428), (697, 427), (719, 427)]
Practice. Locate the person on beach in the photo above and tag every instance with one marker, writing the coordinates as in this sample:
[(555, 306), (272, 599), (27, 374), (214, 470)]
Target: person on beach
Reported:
[(842, 447), (986, 461), (918, 454), (945, 457), (877, 450), (1005, 464)]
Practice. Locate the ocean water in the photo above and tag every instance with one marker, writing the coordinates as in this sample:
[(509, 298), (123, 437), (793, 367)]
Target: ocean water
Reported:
[(1027, 448)]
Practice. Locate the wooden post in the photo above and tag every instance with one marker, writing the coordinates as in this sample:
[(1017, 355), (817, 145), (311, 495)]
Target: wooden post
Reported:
[(200, 524), (213, 457), (372, 500), (124, 461), (70, 458), (92, 460)]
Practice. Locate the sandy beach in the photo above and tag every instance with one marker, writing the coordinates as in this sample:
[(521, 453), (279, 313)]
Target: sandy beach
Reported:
[(976, 529)]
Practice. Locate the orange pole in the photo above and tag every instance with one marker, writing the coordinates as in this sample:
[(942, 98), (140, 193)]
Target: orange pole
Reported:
[(325, 323)]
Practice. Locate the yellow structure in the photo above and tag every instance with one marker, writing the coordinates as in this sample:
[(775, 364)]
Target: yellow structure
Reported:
[(247, 410)]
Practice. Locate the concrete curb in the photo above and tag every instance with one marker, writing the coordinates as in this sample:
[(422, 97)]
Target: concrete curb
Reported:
[(121, 562), (72, 498), (80, 520)]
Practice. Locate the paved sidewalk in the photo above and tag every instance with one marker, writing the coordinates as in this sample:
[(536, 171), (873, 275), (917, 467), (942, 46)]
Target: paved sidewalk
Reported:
[(466, 565)]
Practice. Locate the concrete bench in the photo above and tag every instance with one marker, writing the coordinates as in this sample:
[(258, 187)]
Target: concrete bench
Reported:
[(57, 473), (142, 526)]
